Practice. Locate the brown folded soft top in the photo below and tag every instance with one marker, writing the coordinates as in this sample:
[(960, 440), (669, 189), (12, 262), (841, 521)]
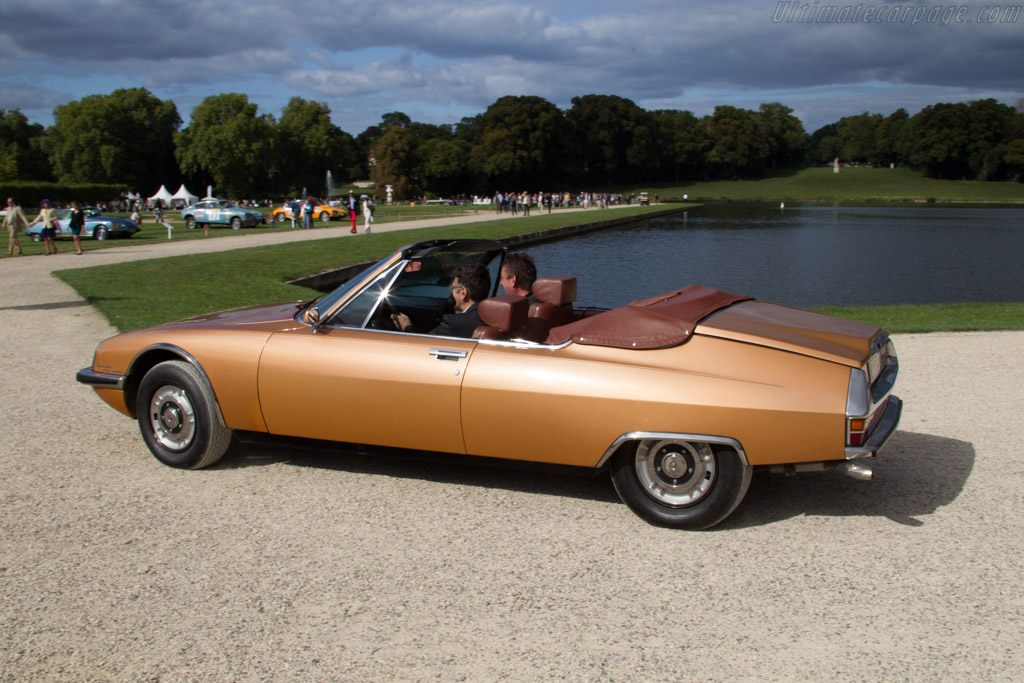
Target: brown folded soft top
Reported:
[(658, 322)]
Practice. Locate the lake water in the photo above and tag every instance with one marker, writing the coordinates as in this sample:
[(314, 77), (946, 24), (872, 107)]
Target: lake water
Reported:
[(804, 255)]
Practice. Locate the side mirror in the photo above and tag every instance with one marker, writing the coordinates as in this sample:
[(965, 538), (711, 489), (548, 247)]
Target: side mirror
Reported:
[(313, 318)]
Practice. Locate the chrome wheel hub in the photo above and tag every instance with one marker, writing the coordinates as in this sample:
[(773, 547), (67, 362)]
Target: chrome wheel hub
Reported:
[(675, 473), (172, 418)]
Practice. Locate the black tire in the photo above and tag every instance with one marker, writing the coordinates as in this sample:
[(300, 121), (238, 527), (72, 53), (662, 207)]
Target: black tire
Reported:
[(190, 222), (100, 233), (281, 218), (325, 216), (175, 410), (709, 481), (236, 223)]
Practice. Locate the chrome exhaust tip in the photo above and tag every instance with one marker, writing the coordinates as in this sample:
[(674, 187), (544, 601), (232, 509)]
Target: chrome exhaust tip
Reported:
[(856, 470)]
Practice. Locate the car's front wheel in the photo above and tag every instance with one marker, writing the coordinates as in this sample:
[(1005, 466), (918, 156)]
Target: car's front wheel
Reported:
[(281, 218), (325, 216), (236, 223), (190, 222), (175, 410), (678, 483), (100, 233)]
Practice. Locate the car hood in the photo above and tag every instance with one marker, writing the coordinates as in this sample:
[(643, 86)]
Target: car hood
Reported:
[(793, 329), (269, 317)]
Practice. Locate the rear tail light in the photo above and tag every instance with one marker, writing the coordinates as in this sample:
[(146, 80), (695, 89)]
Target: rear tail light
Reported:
[(858, 405)]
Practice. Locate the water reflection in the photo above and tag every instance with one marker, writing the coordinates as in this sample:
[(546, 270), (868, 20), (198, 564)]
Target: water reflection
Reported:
[(804, 255)]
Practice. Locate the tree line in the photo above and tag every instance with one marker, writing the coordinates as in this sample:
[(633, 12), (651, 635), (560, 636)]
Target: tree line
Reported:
[(520, 143)]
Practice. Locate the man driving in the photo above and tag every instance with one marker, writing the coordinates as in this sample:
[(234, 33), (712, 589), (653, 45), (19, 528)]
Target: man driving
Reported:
[(470, 284)]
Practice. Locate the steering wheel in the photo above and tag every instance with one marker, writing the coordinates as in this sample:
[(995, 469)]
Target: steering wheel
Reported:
[(382, 319)]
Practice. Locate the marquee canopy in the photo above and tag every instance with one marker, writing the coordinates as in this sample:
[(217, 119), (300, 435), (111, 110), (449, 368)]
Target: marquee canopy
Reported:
[(185, 196), (163, 195)]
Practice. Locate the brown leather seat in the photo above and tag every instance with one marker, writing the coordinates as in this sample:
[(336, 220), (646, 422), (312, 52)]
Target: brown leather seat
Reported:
[(555, 296), (503, 316)]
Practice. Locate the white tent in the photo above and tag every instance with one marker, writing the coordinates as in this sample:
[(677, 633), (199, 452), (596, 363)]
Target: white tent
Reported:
[(163, 195), (183, 197)]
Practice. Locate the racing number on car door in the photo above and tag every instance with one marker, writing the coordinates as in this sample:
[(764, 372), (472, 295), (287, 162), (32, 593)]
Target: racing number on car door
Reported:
[(363, 386)]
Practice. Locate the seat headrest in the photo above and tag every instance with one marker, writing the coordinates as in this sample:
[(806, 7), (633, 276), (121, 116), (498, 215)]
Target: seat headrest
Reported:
[(557, 290), (504, 312)]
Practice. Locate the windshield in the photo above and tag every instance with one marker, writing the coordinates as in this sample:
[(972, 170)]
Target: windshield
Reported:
[(418, 287), (328, 301)]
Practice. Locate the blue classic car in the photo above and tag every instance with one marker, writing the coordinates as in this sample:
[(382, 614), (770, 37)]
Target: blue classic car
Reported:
[(210, 211), (97, 225)]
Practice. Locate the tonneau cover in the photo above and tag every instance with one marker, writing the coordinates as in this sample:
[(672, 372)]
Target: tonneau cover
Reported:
[(655, 323)]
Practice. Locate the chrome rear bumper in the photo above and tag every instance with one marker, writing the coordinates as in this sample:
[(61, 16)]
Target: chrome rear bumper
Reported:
[(885, 428)]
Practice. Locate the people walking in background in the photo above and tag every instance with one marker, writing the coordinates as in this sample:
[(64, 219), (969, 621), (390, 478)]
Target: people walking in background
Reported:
[(294, 207), (353, 206), (75, 224), (14, 223), (158, 216), (307, 213), (367, 214), (48, 217)]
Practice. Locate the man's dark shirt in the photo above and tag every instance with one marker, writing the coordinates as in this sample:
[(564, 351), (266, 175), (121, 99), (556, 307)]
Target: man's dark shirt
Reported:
[(459, 324)]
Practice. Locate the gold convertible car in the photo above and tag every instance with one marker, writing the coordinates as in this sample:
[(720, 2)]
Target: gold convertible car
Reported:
[(678, 396)]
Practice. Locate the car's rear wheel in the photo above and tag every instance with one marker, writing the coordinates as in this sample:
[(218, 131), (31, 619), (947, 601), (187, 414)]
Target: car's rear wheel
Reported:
[(100, 233), (175, 410), (236, 223), (190, 222), (678, 483)]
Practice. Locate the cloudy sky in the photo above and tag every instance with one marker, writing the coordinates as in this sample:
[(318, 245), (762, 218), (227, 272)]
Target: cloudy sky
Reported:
[(441, 60)]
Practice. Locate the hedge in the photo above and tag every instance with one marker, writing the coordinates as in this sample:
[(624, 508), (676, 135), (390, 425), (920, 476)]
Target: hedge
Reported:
[(30, 193)]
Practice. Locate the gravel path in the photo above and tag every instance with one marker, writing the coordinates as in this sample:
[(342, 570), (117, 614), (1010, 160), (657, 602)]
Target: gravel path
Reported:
[(282, 564)]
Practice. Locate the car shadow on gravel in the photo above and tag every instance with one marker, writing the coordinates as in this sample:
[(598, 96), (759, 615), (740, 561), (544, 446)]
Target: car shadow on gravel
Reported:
[(574, 482), (914, 475)]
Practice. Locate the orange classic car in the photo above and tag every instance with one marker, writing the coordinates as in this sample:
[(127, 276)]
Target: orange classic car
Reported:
[(321, 212), (679, 397)]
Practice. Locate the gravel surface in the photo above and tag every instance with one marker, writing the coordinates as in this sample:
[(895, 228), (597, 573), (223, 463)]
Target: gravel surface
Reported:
[(283, 564)]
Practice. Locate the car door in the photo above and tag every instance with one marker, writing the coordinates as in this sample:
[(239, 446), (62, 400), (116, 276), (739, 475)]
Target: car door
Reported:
[(351, 382), (202, 213), (365, 386)]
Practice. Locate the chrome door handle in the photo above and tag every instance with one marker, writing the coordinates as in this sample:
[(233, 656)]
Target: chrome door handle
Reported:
[(447, 354)]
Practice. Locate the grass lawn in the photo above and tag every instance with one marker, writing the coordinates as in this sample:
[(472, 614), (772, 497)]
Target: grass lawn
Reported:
[(853, 185), (961, 317)]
